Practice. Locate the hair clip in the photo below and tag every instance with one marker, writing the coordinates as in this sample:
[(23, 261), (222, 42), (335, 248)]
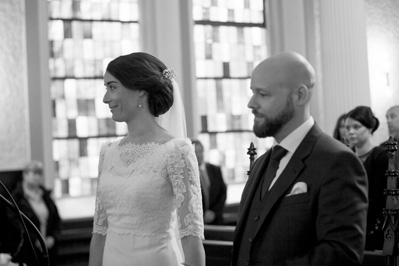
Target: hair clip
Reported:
[(168, 73)]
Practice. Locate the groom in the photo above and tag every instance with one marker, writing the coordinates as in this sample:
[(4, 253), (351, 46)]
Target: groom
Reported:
[(312, 209)]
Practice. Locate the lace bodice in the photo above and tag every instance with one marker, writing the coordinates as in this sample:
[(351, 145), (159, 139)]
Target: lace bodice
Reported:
[(142, 187)]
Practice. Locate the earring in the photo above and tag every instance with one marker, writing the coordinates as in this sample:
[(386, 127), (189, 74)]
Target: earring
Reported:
[(140, 103)]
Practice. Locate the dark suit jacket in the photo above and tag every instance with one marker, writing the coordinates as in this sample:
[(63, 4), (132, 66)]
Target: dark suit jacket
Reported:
[(325, 226), (217, 192)]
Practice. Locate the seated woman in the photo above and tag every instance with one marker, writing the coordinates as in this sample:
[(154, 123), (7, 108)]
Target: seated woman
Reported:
[(361, 124), (36, 203)]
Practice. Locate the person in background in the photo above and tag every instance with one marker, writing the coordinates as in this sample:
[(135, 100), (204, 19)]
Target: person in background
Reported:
[(340, 130), (213, 187), (361, 124), (35, 201), (305, 202), (148, 204), (392, 116)]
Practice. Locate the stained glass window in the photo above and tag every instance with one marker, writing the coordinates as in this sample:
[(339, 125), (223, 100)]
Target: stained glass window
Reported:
[(84, 36), (230, 39)]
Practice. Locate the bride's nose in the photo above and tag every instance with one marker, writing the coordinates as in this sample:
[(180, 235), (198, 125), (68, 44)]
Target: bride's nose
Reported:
[(106, 98)]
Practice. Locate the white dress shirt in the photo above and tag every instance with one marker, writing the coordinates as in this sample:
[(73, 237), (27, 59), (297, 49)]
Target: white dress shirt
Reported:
[(291, 143)]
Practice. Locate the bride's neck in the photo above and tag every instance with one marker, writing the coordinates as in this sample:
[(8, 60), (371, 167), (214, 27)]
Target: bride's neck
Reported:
[(143, 131)]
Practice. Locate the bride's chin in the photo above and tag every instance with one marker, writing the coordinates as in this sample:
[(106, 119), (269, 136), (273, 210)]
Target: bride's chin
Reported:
[(116, 119)]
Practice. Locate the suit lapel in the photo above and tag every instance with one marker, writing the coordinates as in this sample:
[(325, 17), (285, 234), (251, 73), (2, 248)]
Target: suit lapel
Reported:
[(290, 173), (279, 189)]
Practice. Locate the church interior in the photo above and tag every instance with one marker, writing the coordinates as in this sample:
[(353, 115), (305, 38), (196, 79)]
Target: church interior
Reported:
[(52, 59)]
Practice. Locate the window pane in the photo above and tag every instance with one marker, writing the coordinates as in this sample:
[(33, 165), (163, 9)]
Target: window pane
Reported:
[(230, 39), (84, 36)]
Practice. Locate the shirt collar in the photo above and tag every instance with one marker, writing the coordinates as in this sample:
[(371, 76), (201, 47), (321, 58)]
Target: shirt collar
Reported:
[(292, 141)]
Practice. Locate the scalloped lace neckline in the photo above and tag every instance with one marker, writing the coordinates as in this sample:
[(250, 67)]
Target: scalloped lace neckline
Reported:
[(130, 145), (130, 153)]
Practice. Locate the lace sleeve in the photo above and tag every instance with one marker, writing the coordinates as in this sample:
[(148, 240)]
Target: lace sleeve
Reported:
[(100, 224), (184, 175)]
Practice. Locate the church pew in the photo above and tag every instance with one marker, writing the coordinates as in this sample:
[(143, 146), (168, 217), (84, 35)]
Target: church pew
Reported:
[(74, 242), (218, 253), (230, 214), (76, 235), (219, 232), (373, 258)]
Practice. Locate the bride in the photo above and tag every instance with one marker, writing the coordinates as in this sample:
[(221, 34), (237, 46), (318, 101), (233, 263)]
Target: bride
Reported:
[(148, 206)]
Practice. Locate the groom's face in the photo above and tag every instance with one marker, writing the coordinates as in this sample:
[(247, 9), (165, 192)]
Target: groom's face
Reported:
[(271, 104)]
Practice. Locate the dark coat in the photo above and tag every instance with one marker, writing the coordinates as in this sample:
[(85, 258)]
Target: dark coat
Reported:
[(53, 227), (217, 192), (324, 226)]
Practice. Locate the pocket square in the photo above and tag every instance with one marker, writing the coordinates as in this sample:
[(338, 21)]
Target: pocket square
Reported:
[(298, 188)]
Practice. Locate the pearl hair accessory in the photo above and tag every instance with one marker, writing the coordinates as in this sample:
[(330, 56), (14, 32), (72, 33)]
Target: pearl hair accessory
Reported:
[(168, 73)]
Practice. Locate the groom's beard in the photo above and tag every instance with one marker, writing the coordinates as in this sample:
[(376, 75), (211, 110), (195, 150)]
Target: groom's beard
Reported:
[(270, 126)]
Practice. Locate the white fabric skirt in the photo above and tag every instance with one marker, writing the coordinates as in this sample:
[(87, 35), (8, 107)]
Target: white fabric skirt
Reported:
[(133, 250)]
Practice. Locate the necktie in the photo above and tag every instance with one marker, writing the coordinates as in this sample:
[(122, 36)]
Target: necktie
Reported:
[(278, 152)]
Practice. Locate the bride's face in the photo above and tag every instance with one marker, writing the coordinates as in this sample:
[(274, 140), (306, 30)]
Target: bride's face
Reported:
[(122, 102)]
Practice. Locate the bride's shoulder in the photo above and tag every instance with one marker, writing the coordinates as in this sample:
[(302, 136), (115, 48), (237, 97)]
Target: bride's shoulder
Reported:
[(109, 144), (181, 142), (181, 146)]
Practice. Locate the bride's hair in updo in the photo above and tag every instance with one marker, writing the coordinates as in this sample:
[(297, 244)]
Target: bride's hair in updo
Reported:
[(365, 116), (142, 71)]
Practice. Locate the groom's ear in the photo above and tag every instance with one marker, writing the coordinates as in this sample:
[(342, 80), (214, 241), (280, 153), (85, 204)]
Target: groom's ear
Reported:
[(301, 95)]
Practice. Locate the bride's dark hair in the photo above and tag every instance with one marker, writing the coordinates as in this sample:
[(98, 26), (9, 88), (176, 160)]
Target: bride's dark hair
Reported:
[(142, 71)]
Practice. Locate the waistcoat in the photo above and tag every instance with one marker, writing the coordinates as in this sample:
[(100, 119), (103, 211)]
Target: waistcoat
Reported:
[(250, 225)]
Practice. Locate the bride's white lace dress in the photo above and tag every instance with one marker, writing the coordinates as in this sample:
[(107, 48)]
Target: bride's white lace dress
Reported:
[(141, 190)]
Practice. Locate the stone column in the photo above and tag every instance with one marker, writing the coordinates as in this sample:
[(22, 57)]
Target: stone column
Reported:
[(40, 111), (166, 28), (332, 35), (14, 120)]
